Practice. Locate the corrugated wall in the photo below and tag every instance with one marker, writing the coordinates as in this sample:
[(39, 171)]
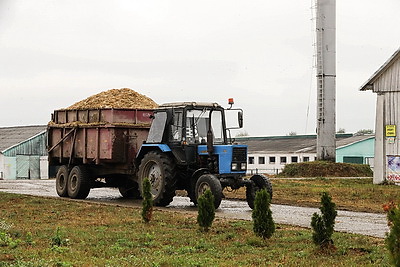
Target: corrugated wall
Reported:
[(389, 80), (392, 117), (33, 146)]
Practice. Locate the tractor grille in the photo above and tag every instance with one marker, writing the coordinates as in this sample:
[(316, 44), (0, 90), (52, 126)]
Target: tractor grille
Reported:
[(239, 154)]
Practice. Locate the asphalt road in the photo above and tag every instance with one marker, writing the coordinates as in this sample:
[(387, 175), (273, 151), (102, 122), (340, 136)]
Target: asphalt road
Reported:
[(370, 224)]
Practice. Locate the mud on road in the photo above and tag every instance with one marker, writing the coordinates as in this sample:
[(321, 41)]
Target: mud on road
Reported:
[(370, 224)]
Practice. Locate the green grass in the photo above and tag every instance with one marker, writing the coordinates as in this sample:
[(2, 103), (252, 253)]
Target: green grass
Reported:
[(55, 232)]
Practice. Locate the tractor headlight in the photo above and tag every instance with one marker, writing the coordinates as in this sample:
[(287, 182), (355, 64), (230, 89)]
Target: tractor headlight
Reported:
[(243, 166), (234, 166)]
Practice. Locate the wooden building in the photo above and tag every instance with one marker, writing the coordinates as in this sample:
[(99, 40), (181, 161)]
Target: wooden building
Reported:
[(385, 82)]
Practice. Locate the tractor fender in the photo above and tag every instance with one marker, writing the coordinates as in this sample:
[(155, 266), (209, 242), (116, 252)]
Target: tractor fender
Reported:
[(145, 148)]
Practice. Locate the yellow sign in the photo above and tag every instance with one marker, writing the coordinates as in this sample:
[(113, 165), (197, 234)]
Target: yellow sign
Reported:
[(390, 130)]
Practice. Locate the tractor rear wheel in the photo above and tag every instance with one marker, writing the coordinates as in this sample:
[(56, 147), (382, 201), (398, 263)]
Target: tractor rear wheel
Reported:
[(62, 181), (259, 182), (209, 181), (160, 170), (79, 183)]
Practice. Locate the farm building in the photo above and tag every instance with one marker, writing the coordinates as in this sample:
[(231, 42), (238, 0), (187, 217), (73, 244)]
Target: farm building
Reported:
[(271, 154), (23, 153), (385, 82)]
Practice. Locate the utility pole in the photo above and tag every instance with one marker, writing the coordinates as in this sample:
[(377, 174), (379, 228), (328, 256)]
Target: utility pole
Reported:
[(326, 79)]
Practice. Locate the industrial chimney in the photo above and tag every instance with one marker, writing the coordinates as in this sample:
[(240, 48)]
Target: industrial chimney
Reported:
[(326, 79)]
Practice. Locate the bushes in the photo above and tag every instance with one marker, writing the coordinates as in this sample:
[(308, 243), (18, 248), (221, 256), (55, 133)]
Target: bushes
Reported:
[(323, 225), (147, 210), (206, 210), (263, 224), (326, 169), (393, 237)]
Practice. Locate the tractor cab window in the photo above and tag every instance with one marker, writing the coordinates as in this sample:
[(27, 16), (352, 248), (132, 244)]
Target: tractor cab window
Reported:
[(157, 128), (197, 124), (176, 126)]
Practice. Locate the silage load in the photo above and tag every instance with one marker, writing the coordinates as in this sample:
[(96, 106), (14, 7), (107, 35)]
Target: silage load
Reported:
[(116, 98)]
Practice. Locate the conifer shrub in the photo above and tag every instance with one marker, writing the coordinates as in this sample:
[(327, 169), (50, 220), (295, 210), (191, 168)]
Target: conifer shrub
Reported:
[(263, 223), (147, 210), (323, 225), (393, 237), (206, 210)]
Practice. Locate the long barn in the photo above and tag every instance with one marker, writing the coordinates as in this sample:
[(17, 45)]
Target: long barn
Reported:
[(23, 153), (385, 82)]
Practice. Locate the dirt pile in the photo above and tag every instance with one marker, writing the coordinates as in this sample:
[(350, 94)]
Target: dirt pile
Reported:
[(116, 98)]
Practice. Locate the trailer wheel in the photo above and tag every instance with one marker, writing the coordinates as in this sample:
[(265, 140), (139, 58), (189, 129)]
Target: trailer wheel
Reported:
[(209, 181), (62, 181), (259, 182), (78, 182), (160, 170), (130, 190)]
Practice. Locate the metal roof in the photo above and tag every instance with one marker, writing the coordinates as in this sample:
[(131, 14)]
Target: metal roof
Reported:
[(294, 144), (12, 136), (368, 85)]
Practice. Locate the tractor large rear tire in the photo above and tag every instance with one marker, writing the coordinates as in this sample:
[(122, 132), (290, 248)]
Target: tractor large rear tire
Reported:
[(62, 181), (160, 170), (209, 181), (79, 183), (259, 182)]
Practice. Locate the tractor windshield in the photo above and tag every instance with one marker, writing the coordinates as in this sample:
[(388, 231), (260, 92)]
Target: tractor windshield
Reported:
[(197, 125)]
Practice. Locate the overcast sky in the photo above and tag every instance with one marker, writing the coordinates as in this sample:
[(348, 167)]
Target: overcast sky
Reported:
[(55, 53)]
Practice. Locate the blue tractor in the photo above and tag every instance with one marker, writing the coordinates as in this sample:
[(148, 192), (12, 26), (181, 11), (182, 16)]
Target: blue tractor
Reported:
[(190, 148)]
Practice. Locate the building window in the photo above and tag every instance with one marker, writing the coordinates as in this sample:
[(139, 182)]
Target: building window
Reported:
[(294, 159), (306, 159), (283, 160), (272, 160), (261, 160), (251, 160)]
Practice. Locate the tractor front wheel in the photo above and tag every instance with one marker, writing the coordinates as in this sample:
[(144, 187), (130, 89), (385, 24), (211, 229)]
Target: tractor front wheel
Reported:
[(209, 181), (259, 182)]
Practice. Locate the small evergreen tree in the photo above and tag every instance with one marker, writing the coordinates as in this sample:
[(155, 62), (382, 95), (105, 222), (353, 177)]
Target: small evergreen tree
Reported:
[(147, 211), (323, 226), (206, 210), (393, 237), (263, 223)]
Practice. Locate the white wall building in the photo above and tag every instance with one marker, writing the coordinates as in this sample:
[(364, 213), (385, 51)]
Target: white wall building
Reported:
[(270, 154), (385, 82)]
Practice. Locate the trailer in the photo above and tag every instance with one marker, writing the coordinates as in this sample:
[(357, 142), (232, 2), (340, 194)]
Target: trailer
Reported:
[(95, 148)]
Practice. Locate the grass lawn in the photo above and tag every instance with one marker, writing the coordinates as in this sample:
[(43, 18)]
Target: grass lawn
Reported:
[(101, 235), (348, 194)]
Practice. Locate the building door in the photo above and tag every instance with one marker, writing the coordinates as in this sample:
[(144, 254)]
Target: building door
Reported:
[(357, 160), (28, 167)]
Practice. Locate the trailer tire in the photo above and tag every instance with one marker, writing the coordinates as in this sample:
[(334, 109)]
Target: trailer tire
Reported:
[(130, 190), (259, 182), (160, 170), (209, 181), (79, 183), (62, 181)]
